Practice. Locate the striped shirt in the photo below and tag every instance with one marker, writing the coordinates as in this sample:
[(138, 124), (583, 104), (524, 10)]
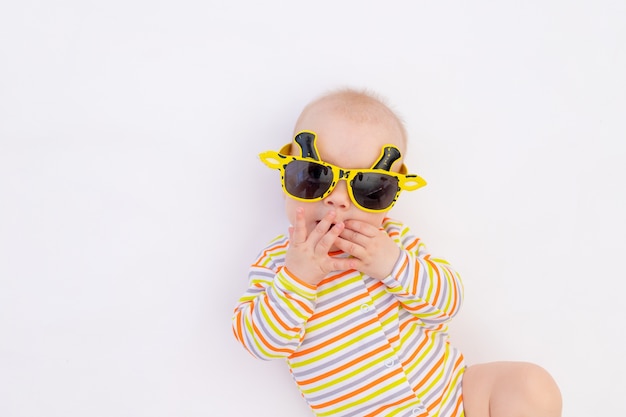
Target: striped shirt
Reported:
[(355, 345)]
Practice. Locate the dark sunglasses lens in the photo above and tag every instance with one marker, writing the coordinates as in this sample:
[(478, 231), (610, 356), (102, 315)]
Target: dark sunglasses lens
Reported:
[(308, 180), (374, 191)]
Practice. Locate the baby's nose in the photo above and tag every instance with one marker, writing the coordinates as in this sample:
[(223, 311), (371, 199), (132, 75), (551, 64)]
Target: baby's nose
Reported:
[(339, 197)]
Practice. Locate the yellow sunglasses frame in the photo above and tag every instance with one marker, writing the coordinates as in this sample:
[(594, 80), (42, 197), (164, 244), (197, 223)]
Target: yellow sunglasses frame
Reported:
[(279, 160)]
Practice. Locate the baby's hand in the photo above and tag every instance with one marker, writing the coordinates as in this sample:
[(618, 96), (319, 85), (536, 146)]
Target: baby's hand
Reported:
[(307, 256), (374, 252)]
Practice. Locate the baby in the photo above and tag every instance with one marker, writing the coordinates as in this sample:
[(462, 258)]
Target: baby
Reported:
[(351, 299)]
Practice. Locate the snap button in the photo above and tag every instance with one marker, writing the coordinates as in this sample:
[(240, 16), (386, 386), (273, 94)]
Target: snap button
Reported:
[(418, 409), (365, 308), (389, 363)]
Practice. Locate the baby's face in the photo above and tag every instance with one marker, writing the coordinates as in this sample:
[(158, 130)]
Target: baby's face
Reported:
[(347, 144)]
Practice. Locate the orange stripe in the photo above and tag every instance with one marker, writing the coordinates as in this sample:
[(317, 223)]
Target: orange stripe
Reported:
[(410, 360), (334, 339), (438, 286), (337, 307), (343, 367), (459, 401), (276, 317), (411, 245), (456, 290), (429, 374), (298, 280), (302, 305), (387, 406), (360, 390), (416, 274), (238, 331), (270, 249), (394, 339), (404, 265), (434, 404), (447, 387), (374, 286), (393, 306), (408, 321), (333, 277), (417, 307), (262, 339)]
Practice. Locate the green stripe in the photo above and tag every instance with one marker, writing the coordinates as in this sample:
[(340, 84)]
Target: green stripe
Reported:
[(326, 354), (364, 400)]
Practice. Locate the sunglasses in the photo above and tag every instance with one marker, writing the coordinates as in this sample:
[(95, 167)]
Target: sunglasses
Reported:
[(310, 179)]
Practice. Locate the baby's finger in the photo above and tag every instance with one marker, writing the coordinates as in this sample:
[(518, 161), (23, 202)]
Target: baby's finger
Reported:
[(350, 235), (344, 264), (326, 242), (361, 227), (349, 246), (298, 230), (323, 227)]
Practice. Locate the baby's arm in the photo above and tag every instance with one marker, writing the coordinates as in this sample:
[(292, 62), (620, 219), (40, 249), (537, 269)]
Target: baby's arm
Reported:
[(427, 287), (269, 318)]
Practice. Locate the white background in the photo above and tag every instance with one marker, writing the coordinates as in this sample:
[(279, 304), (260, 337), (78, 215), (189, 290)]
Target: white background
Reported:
[(132, 200)]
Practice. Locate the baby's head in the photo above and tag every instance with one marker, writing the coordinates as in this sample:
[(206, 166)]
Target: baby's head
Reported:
[(344, 135), (351, 127)]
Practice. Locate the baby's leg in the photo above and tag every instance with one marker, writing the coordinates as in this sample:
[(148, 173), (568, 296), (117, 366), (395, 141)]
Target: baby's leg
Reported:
[(510, 389)]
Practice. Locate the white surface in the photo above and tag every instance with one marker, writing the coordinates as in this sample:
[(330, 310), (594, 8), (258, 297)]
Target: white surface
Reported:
[(126, 228)]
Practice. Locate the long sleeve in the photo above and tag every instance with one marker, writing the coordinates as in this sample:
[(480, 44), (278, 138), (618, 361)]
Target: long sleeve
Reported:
[(354, 344), (427, 287), (269, 318)]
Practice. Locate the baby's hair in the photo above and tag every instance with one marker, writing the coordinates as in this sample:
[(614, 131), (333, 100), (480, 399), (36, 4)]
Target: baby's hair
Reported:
[(361, 105)]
